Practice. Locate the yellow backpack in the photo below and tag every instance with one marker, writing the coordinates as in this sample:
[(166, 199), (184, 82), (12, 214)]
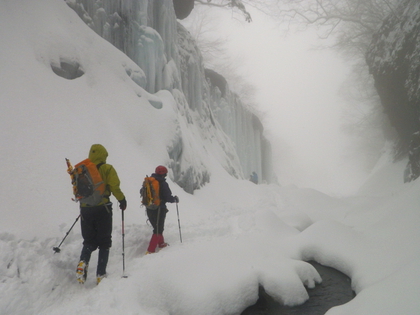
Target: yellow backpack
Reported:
[(149, 193), (88, 185)]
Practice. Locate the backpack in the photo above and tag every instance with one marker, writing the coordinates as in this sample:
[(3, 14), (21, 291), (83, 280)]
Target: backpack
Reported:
[(88, 186), (149, 193)]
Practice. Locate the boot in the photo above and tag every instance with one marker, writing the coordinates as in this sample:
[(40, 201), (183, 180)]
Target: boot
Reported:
[(102, 263), (82, 266), (153, 244), (99, 279), (161, 241), (81, 271), (86, 253)]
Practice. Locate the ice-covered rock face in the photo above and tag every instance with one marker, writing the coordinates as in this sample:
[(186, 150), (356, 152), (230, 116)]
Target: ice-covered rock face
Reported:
[(148, 33), (394, 61), (145, 30)]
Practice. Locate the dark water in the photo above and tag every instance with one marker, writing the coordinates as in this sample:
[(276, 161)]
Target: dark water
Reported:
[(334, 290)]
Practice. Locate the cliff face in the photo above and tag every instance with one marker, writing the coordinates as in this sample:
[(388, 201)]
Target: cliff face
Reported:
[(147, 31), (394, 61)]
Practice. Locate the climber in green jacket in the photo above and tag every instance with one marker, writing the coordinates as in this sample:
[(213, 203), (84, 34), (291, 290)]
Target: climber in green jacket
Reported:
[(96, 220)]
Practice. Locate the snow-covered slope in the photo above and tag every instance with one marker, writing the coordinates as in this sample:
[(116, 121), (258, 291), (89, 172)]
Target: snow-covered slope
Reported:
[(236, 235)]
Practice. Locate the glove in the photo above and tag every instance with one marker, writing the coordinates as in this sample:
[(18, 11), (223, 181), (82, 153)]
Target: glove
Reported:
[(123, 204), (176, 199)]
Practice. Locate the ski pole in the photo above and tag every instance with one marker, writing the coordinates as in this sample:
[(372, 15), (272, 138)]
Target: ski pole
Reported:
[(123, 234), (57, 249), (179, 223)]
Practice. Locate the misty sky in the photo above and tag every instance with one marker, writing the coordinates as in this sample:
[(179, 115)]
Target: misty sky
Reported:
[(298, 95)]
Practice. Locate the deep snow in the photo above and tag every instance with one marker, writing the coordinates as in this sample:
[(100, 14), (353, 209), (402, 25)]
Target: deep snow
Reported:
[(236, 235)]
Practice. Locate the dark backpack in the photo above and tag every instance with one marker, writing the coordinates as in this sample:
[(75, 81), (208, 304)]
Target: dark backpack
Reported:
[(149, 193), (88, 185)]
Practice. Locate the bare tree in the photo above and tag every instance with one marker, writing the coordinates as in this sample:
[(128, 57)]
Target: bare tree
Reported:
[(351, 22), (229, 4), (200, 24), (240, 6), (213, 48)]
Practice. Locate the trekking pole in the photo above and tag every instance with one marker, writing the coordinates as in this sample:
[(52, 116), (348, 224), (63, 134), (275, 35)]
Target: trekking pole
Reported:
[(179, 223), (123, 234), (57, 249)]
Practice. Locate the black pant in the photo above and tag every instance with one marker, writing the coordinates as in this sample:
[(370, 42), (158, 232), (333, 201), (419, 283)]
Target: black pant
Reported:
[(96, 224), (157, 219), (96, 227)]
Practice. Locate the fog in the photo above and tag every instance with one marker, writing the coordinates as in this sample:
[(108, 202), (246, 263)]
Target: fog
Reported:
[(297, 93)]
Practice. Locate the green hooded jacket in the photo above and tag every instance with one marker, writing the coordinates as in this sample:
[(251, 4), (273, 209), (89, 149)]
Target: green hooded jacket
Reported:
[(97, 155)]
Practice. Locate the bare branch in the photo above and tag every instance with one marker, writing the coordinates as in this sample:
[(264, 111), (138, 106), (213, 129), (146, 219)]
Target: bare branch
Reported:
[(238, 4), (354, 20)]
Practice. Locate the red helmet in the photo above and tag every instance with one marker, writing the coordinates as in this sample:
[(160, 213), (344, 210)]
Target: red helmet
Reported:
[(161, 170)]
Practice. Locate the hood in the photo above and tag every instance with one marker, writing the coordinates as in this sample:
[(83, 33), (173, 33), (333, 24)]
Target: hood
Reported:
[(98, 154)]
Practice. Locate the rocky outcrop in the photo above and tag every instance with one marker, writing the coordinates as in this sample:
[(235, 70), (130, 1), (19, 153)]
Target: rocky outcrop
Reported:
[(394, 61), (183, 8), (216, 80)]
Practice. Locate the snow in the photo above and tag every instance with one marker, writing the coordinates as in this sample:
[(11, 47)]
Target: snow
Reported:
[(235, 235)]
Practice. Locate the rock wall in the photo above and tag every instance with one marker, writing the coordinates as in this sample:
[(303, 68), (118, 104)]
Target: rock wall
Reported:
[(394, 61)]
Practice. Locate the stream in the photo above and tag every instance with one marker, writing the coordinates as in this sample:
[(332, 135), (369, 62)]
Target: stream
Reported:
[(334, 290)]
